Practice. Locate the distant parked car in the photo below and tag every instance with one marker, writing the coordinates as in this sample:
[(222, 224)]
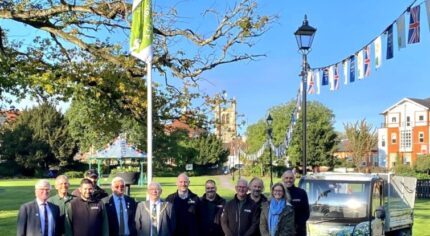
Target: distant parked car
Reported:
[(225, 170), (52, 173)]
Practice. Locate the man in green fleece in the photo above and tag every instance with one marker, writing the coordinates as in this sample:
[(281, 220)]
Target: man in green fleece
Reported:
[(62, 198)]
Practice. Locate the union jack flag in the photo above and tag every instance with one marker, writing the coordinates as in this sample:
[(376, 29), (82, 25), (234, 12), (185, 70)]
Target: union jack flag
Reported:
[(336, 77), (367, 61), (414, 25), (311, 83)]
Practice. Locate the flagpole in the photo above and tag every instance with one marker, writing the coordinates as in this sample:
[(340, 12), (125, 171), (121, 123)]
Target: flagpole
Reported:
[(149, 122)]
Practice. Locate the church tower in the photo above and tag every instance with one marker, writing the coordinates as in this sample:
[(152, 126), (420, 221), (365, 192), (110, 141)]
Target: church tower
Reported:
[(225, 120)]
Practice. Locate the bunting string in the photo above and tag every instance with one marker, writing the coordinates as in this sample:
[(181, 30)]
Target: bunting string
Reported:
[(281, 150), (358, 65), (355, 66)]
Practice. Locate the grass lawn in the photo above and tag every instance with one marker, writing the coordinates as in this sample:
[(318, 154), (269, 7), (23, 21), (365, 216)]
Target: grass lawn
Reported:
[(13, 193)]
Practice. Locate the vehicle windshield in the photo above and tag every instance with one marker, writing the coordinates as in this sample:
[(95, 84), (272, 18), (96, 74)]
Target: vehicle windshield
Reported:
[(337, 201)]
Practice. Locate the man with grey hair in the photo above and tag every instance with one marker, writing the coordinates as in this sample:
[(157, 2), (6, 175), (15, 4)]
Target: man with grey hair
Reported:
[(120, 210), (63, 197), (256, 188), (185, 204), (241, 215), (299, 200), (39, 217), (155, 217)]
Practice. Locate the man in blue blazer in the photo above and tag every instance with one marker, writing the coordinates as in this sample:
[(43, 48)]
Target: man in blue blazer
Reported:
[(155, 215), (117, 203), (39, 217)]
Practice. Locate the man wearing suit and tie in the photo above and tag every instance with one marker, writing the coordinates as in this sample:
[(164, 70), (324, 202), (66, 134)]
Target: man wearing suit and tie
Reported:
[(39, 217), (120, 210), (155, 217)]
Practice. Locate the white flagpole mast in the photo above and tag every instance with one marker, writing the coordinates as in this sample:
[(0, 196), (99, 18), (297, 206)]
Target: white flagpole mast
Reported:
[(149, 122), (141, 47)]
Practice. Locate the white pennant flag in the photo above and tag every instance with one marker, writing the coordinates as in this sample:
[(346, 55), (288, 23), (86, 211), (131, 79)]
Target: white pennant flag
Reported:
[(360, 65), (331, 77), (401, 39), (318, 80), (378, 52), (428, 12), (345, 71)]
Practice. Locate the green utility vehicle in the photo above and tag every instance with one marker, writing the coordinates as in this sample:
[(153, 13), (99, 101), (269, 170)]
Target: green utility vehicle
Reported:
[(352, 204)]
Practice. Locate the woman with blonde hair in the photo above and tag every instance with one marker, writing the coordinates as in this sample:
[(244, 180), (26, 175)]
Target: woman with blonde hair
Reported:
[(277, 214)]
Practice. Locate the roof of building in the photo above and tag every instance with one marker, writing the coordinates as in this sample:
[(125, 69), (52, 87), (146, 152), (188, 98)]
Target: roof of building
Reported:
[(422, 102), (9, 115)]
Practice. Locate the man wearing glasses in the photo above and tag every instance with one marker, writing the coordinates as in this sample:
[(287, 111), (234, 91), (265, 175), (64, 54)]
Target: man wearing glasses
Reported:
[(39, 217), (155, 217), (241, 215), (211, 205), (120, 209)]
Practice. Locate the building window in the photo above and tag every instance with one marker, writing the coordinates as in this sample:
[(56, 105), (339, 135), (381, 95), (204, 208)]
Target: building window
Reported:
[(393, 138), (421, 137), (405, 139), (393, 119), (421, 118), (407, 159), (408, 121), (383, 141)]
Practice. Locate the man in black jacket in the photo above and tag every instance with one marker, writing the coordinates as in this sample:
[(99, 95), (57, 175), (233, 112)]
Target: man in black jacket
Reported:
[(241, 215), (211, 206), (185, 204), (85, 216), (299, 200), (120, 210)]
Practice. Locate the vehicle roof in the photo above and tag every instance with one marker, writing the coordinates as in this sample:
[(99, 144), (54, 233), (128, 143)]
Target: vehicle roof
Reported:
[(342, 176)]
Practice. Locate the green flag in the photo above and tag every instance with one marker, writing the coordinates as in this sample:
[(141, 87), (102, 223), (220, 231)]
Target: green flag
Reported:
[(141, 30)]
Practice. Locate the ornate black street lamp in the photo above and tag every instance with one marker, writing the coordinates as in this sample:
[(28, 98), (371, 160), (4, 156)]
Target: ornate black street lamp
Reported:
[(304, 36)]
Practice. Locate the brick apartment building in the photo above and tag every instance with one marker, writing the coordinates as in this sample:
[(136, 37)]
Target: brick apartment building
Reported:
[(405, 132)]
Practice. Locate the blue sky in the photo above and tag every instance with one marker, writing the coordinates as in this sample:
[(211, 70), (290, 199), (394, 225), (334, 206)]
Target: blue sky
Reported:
[(343, 28)]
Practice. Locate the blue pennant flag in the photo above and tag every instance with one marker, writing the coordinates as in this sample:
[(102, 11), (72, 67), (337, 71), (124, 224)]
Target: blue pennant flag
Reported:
[(325, 77), (352, 69), (390, 51)]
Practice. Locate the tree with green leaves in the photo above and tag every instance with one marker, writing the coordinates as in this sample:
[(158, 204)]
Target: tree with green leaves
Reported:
[(210, 150), (362, 139), (321, 136), (82, 47), (423, 164), (38, 139)]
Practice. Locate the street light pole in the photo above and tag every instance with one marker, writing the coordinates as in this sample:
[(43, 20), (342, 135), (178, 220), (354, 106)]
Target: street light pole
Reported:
[(304, 111), (269, 121), (304, 36)]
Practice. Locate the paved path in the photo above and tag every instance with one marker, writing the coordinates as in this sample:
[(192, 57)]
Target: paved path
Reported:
[(226, 182)]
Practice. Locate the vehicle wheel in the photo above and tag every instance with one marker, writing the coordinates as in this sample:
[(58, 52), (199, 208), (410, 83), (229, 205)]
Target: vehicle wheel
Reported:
[(404, 232)]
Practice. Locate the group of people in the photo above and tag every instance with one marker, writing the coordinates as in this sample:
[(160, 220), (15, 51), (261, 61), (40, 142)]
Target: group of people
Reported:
[(90, 211)]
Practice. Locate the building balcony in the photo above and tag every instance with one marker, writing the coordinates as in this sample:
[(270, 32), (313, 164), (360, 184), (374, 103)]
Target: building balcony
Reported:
[(405, 124)]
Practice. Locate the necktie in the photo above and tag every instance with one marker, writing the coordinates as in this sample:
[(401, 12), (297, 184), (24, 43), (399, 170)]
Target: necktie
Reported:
[(46, 220), (121, 218), (154, 220)]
